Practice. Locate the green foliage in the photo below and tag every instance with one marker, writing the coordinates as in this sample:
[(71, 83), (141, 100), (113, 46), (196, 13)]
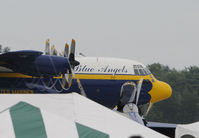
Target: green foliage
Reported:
[(0, 48), (183, 105), (4, 50)]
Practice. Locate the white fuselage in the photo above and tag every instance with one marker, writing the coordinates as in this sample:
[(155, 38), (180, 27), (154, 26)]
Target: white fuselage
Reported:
[(110, 66)]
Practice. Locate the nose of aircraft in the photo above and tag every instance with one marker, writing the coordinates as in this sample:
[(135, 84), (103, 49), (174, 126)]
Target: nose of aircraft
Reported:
[(160, 91)]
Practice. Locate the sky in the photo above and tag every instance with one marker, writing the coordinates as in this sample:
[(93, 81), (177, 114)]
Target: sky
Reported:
[(149, 31)]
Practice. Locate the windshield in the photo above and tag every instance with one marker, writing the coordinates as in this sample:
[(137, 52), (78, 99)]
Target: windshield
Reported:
[(140, 70)]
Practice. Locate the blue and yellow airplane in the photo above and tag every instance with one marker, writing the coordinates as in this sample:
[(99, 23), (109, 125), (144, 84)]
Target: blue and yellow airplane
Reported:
[(99, 78)]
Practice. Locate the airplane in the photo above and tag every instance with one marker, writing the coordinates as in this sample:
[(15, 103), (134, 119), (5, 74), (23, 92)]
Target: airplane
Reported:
[(108, 81)]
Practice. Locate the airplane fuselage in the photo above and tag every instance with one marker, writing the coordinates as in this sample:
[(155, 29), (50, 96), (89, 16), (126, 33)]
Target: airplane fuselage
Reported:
[(101, 79)]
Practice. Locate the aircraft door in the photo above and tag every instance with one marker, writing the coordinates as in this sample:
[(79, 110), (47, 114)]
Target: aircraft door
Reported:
[(127, 93)]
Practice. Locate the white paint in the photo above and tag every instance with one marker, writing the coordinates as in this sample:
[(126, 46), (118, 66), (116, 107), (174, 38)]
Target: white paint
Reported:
[(106, 65)]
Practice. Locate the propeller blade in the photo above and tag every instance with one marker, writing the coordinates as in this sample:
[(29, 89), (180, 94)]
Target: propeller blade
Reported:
[(64, 80), (73, 44), (47, 48), (72, 60), (70, 78), (66, 50), (53, 50), (61, 54), (72, 51), (67, 78), (139, 86)]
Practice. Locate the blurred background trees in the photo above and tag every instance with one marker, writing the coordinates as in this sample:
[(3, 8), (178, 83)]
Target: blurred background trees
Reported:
[(4, 50), (183, 105)]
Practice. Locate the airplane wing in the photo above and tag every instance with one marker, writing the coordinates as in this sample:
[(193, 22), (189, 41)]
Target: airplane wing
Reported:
[(19, 54), (10, 59), (33, 63)]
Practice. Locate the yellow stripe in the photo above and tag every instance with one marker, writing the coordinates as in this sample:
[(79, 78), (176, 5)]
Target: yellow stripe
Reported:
[(110, 77), (13, 75), (19, 75), (160, 90), (82, 76)]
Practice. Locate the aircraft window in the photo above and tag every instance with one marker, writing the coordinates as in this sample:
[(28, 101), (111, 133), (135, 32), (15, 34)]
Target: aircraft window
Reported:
[(140, 66), (135, 67), (147, 70), (136, 71), (141, 72)]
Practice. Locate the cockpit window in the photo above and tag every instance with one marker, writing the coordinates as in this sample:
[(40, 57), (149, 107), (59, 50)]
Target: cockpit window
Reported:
[(135, 67), (140, 70), (148, 71), (140, 66), (145, 71)]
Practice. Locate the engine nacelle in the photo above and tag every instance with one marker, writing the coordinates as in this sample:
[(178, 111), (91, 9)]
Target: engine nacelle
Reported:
[(33, 63), (50, 65)]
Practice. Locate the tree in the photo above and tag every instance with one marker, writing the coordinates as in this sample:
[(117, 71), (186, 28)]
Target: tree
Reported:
[(0, 48), (183, 105), (4, 50)]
